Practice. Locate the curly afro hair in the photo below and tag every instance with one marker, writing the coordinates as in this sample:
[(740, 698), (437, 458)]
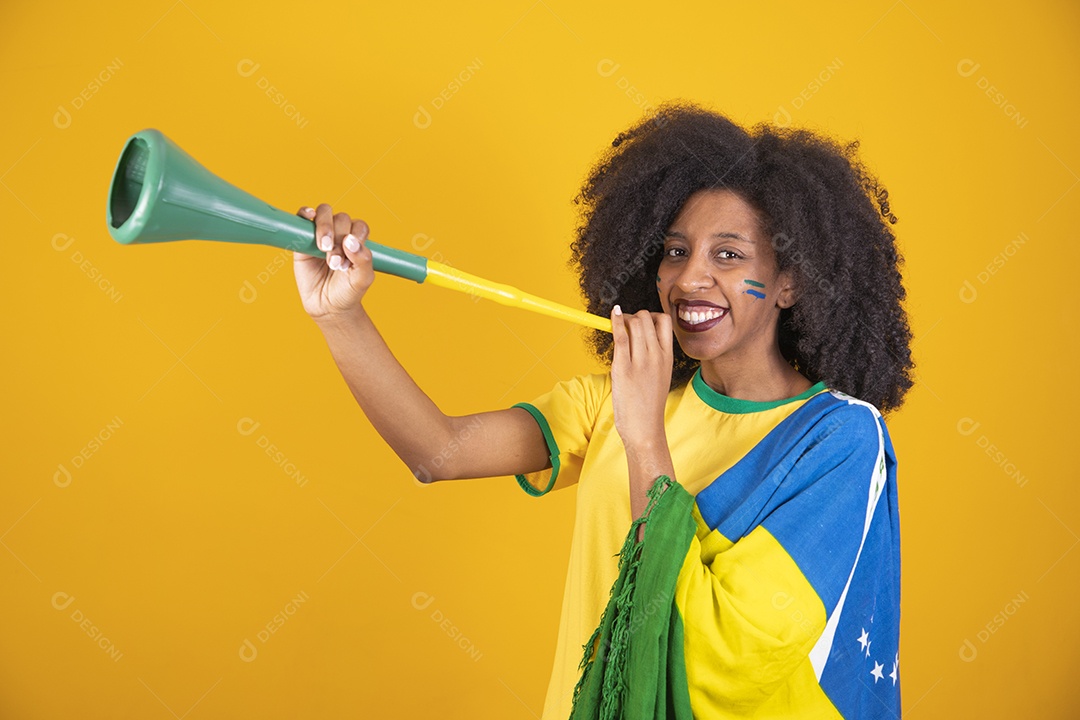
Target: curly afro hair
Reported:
[(827, 216)]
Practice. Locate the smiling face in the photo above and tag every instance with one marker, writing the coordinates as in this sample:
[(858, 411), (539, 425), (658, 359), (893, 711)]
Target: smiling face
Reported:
[(719, 282)]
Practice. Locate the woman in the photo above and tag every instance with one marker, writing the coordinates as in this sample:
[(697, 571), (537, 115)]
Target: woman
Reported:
[(744, 469)]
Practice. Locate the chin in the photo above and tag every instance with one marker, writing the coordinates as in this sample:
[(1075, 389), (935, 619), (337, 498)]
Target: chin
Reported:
[(699, 352)]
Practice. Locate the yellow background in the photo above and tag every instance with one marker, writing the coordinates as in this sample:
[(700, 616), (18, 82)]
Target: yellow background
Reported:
[(131, 498)]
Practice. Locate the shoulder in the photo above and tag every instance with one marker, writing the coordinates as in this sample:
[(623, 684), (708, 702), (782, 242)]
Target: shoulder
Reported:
[(595, 385), (843, 422), (838, 452), (585, 392)]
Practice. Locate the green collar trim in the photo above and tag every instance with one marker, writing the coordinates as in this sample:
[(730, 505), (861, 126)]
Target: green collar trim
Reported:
[(735, 406)]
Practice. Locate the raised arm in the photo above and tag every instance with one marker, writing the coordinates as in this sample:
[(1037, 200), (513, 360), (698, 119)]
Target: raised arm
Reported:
[(433, 445)]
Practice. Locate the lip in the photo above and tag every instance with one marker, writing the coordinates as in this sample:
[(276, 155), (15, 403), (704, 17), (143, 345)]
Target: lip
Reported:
[(692, 303), (700, 327)]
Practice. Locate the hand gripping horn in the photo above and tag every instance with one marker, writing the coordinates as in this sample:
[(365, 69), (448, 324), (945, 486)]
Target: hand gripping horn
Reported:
[(159, 193)]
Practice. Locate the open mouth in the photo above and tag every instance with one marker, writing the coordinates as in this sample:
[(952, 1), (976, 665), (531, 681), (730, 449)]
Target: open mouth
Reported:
[(698, 318)]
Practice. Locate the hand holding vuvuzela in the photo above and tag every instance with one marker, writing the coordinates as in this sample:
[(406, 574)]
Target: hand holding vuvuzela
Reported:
[(335, 283), (159, 193)]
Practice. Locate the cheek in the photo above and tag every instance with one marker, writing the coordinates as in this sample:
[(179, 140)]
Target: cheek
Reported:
[(754, 288), (662, 288)]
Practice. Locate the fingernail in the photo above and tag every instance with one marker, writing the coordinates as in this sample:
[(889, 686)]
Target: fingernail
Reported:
[(618, 310), (335, 262), (351, 243), (326, 244), (306, 210)]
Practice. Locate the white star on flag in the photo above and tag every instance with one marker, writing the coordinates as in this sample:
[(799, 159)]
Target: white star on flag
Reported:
[(865, 642), (876, 672), (895, 665)]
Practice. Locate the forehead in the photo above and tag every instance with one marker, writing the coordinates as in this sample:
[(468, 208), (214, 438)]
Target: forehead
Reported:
[(717, 209)]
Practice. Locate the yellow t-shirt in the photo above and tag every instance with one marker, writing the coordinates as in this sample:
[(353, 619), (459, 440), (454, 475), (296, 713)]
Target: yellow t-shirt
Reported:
[(707, 433)]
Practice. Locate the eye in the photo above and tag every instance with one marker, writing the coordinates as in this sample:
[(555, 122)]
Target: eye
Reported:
[(673, 251), (729, 255)]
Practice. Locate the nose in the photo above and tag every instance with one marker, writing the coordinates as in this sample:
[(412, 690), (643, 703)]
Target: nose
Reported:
[(694, 273)]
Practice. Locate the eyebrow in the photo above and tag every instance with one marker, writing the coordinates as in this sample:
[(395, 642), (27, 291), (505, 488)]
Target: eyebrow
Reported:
[(726, 235)]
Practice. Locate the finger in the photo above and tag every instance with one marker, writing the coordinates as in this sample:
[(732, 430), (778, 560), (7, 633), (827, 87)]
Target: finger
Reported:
[(324, 228), (640, 327), (342, 227), (354, 245), (618, 331), (664, 331), (360, 230)]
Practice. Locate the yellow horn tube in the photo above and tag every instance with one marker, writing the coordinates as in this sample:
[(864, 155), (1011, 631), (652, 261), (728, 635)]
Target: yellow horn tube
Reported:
[(448, 277)]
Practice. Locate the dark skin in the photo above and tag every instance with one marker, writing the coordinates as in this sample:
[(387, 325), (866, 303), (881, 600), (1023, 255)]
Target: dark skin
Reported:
[(713, 247)]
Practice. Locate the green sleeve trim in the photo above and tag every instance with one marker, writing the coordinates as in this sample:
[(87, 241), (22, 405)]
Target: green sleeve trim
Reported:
[(553, 451)]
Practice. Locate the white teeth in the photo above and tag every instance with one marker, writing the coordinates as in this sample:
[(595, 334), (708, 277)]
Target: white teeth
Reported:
[(695, 317)]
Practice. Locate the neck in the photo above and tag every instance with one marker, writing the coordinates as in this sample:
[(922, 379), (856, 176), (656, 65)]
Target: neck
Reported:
[(771, 378)]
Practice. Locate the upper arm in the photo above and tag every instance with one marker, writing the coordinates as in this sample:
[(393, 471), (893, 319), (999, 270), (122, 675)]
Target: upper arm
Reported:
[(490, 444), (543, 442)]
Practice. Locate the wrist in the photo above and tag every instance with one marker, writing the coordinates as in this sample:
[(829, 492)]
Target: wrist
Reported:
[(341, 319), (649, 459), (647, 445)]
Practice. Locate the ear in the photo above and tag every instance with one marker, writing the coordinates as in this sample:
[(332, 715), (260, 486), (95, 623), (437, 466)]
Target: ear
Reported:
[(789, 292)]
